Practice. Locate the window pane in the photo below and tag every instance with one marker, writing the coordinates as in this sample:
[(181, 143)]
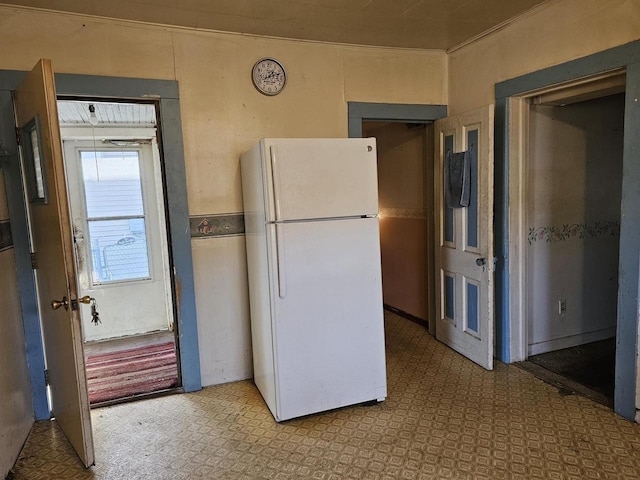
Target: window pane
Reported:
[(118, 250), (112, 183)]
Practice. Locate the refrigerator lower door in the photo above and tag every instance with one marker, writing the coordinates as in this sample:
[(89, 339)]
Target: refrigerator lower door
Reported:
[(328, 322)]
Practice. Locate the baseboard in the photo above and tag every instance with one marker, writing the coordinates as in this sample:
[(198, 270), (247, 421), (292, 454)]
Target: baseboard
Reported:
[(401, 313), (571, 341)]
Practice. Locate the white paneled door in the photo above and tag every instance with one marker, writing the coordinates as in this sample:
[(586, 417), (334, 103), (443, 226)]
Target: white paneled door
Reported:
[(464, 238), (37, 117)]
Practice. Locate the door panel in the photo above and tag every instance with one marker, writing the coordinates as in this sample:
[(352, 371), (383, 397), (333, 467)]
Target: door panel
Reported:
[(340, 173), (55, 276), (464, 240), (328, 311)]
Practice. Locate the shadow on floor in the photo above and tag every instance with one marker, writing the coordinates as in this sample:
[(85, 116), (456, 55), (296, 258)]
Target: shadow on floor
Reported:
[(587, 369)]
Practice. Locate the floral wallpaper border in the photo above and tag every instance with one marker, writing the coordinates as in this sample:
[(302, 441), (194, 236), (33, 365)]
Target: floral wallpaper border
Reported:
[(219, 225), (583, 231), (6, 239)]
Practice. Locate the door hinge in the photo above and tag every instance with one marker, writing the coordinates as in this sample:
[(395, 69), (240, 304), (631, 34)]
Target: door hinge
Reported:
[(34, 261), (46, 377), (18, 136)]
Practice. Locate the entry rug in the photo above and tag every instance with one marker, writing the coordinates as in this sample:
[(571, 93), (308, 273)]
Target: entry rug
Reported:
[(131, 372)]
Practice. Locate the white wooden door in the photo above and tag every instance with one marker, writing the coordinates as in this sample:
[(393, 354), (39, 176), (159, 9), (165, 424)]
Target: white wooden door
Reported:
[(37, 116), (464, 240), (117, 210)]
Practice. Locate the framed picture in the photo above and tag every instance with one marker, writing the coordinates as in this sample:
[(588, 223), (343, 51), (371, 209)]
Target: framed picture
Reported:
[(34, 162)]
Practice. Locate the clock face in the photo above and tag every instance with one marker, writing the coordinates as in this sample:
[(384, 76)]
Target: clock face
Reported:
[(269, 76)]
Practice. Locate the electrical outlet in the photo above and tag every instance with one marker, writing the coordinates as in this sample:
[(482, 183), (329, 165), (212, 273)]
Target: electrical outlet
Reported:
[(562, 306)]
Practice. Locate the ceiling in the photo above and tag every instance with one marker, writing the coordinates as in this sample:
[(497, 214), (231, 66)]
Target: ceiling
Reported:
[(72, 112), (424, 24)]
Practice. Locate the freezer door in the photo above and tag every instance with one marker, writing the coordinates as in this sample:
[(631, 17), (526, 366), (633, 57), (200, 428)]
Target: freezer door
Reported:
[(320, 178), (328, 323)]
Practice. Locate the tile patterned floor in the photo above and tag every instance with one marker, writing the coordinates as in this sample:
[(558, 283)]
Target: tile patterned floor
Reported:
[(445, 418)]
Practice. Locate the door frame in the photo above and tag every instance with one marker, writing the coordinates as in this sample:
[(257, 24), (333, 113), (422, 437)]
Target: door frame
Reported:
[(510, 235), (165, 94), (403, 113)]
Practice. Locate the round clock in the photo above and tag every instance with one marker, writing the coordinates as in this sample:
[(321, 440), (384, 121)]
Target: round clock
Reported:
[(269, 76)]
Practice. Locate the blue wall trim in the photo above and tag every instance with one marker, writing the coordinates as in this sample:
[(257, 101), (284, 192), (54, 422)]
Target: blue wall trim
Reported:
[(391, 112), (22, 253), (501, 231), (628, 57), (629, 267), (178, 217)]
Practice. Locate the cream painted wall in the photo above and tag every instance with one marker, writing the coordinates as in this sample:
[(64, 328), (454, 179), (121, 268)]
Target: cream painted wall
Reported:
[(222, 116), (560, 31), (16, 411)]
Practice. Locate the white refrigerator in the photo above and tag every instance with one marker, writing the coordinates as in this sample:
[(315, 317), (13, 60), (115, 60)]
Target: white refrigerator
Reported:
[(313, 253)]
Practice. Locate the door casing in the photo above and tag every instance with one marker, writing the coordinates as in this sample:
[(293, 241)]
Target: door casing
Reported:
[(405, 113), (509, 207), (165, 94)]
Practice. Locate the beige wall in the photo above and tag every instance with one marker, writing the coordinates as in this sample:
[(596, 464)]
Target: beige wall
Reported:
[(560, 31), (222, 116), (16, 411)]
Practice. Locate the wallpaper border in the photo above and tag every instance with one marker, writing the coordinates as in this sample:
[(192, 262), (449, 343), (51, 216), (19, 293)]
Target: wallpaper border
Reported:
[(216, 225), (581, 231)]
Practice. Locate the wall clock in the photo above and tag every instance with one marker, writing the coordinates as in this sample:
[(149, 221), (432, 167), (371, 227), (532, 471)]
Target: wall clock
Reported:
[(268, 76)]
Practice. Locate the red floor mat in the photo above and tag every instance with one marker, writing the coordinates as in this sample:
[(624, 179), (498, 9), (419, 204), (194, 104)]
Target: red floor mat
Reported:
[(131, 372)]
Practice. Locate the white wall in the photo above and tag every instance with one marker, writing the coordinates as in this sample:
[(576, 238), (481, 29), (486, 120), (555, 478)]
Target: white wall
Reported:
[(16, 411), (574, 182), (223, 116)]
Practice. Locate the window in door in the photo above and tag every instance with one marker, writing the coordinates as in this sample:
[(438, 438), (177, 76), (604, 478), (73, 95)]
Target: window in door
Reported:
[(116, 224)]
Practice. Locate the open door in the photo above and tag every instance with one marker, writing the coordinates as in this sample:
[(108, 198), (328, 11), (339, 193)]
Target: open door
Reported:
[(464, 238), (37, 118)]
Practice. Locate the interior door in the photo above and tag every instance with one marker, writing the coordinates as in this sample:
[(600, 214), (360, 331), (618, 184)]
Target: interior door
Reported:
[(37, 116), (464, 239)]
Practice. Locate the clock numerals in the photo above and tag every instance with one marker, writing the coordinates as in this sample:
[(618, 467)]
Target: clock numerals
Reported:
[(269, 76)]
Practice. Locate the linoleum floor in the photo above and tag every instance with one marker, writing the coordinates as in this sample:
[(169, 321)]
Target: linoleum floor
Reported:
[(444, 418)]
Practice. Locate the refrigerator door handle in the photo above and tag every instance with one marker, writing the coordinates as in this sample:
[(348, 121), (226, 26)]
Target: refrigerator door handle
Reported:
[(282, 282), (275, 177)]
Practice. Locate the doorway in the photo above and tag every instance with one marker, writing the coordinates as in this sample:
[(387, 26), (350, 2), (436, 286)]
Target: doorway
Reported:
[(573, 192), (117, 205), (405, 198)]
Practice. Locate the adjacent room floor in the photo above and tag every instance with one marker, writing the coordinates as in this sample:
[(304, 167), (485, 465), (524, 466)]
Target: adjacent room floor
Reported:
[(444, 418), (588, 369)]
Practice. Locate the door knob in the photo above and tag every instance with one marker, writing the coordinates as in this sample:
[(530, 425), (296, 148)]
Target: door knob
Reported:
[(86, 299), (56, 304), (481, 262)]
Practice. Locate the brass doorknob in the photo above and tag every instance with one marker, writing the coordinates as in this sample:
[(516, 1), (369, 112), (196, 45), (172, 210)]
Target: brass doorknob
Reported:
[(56, 304), (86, 299)]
